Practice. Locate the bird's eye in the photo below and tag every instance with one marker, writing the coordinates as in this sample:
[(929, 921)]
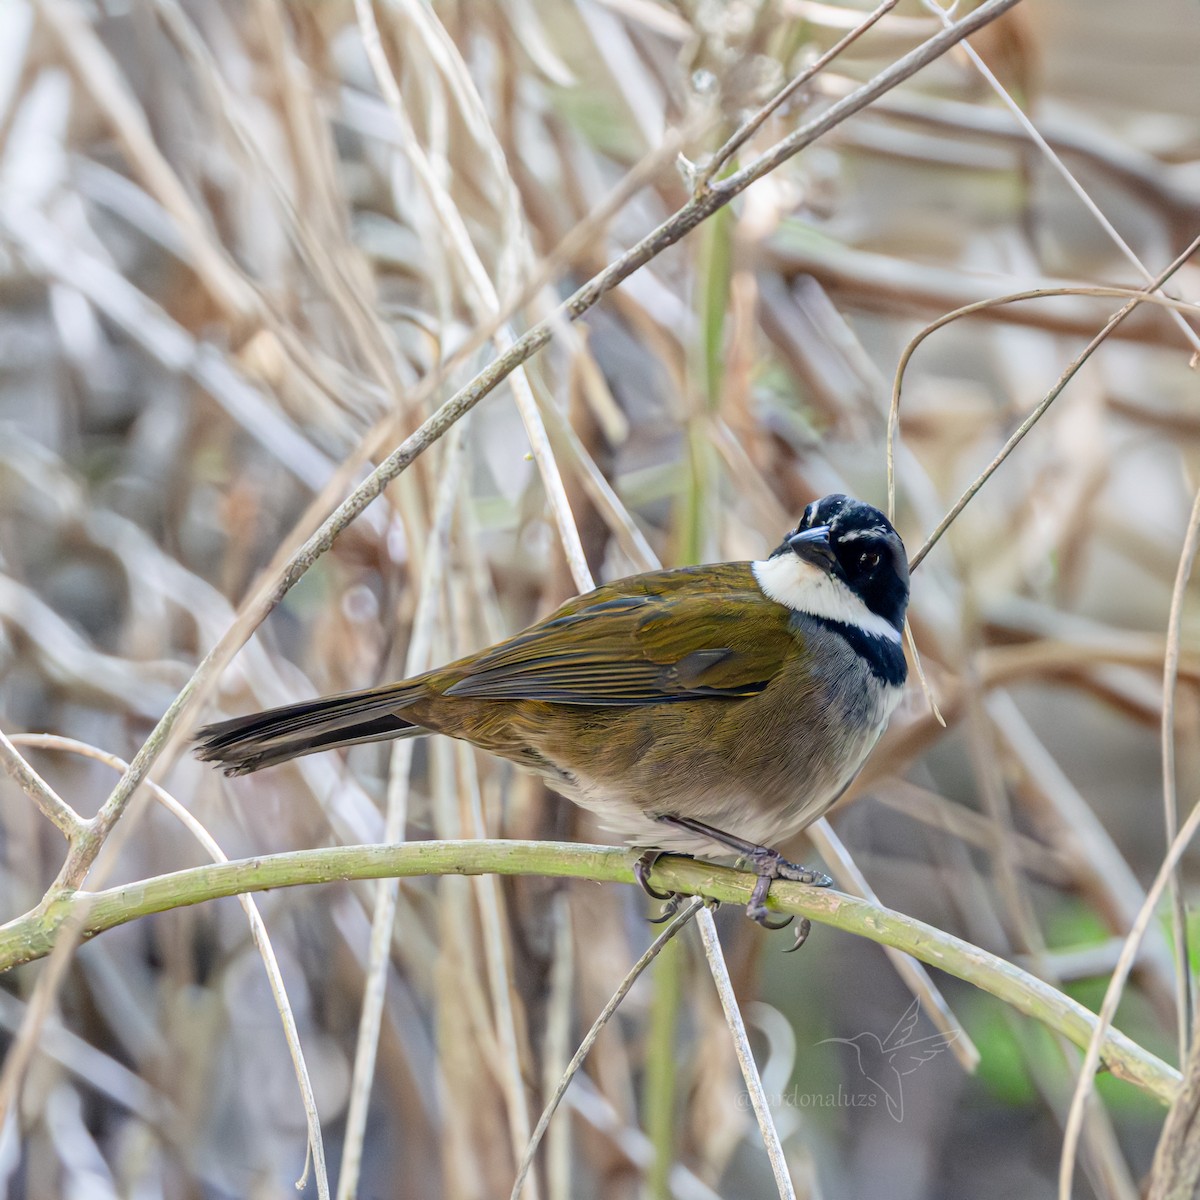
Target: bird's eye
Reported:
[(868, 561)]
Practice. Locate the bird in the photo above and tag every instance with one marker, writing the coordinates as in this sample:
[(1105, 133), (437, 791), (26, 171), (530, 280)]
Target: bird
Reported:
[(706, 710), (886, 1062)]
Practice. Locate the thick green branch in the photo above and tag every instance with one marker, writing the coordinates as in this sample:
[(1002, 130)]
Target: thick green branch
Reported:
[(32, 936)]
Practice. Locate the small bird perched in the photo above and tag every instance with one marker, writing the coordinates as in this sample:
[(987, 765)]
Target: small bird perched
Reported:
[(723, 706)]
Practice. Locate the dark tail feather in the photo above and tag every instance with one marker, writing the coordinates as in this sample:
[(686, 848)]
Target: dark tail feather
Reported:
[(263, 739)]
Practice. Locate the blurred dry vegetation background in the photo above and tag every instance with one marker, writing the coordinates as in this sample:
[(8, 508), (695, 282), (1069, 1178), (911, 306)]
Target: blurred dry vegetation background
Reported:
[(234, 251)]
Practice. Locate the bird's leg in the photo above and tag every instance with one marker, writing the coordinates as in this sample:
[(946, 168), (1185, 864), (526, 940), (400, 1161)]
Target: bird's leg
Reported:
[(768, 865), (641, 872), (763, 859)]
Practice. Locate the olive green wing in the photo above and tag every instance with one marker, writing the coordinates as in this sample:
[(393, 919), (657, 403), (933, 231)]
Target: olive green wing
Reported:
[(674, 635)]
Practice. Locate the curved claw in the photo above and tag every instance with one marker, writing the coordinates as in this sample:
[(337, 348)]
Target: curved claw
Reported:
[(641, 872), (803, 929), (761, 916), (757, 910)]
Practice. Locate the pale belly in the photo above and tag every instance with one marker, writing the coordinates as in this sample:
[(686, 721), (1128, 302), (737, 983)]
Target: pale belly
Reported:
[(747, 815)]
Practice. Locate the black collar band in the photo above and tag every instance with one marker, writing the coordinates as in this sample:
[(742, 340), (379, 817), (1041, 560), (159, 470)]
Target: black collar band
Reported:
[(884, 656)]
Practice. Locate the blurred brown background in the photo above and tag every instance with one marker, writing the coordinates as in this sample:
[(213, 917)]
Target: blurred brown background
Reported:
[(226, 256)]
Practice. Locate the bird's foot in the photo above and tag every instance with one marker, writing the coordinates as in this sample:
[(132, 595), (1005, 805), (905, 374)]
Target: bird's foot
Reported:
[(771, 865), (641, 872), (767, 864)]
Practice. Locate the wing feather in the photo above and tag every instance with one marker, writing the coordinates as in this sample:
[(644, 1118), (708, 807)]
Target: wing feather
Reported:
[(718, 636)]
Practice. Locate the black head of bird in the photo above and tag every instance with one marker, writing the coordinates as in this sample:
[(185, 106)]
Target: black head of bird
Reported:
[(698, 710)]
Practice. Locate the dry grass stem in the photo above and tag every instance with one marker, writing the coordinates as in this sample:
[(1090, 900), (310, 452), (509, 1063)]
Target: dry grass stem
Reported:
[(52, 806), (605, 1015), (717, 163), (383, 919), (1044, 147), (1044, 404), (1187, 560), (1112, 997), (258, 931), (915, 977), (745, 1056)]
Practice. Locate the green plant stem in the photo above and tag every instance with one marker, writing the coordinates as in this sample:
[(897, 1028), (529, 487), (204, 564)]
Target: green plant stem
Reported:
[(662, 1070), (33, 935)]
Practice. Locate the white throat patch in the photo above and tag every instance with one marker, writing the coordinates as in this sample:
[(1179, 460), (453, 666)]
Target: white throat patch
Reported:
[(789, 580)]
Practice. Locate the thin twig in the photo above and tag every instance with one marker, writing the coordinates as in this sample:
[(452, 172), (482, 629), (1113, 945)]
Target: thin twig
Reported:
[(606, 1014), (745, 1056), (1047, 400), (258, 932), (51, 804), (384, 914), (919, 666), (1183, 970), (851, 879), (749, 128), (981, 306), (1057, 163), (1102, 1025)]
